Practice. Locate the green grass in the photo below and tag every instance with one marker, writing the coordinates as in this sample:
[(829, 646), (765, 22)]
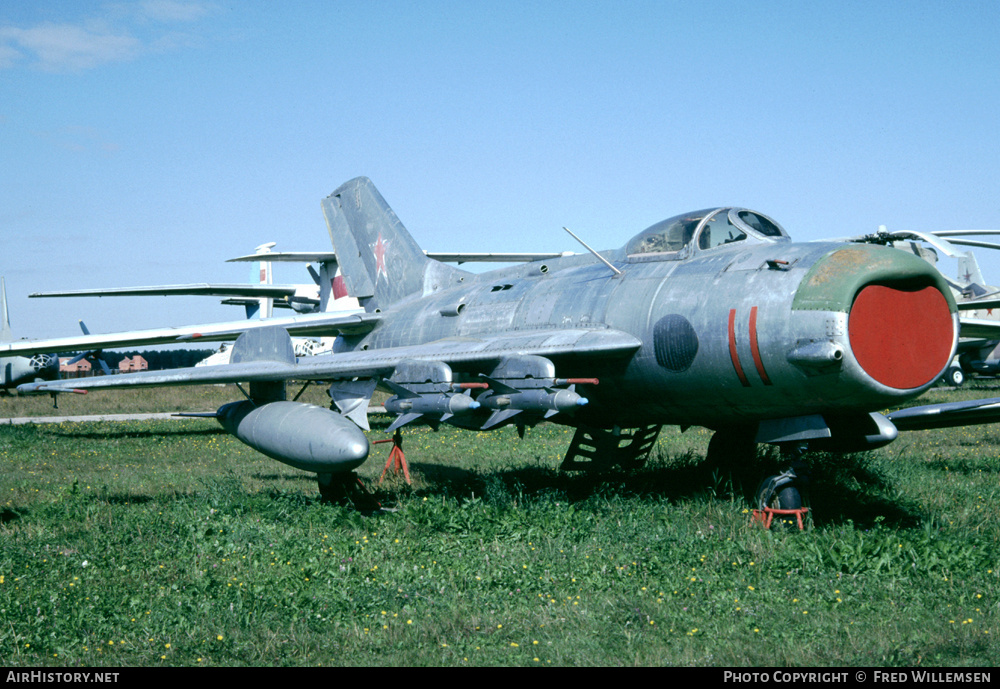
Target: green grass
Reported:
[(171, 543)]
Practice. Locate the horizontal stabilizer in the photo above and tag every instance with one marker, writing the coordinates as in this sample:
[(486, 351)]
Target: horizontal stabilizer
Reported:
[(443, 256), (468, 257), (289, 257)]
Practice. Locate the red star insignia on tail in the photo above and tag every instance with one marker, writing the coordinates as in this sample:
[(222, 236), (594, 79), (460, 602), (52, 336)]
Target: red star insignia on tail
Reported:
[(378, 249)]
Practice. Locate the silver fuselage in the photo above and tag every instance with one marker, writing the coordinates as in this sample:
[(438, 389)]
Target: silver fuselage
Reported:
[(733, 324)]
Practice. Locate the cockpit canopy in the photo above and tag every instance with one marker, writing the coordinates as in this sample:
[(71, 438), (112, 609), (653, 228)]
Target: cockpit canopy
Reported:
[(703, 230)]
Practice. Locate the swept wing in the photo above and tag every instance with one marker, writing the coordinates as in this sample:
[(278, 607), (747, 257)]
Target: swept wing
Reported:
[(374, 363), (198, 289), (980, 328), (947, 415)]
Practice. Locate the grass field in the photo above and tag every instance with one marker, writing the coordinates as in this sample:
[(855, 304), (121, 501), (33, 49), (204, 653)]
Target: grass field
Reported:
[(171, 543)]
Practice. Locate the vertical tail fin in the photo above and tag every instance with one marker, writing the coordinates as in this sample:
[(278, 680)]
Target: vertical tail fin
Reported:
[(969, 274), (5, 333), (380, 261), (261, 274)]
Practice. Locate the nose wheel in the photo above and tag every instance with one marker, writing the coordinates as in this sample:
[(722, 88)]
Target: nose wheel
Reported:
[(778, 492), (779, 496)]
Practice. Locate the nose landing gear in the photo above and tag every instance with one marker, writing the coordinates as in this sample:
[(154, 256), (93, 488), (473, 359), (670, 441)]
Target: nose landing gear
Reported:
[(779, 496)]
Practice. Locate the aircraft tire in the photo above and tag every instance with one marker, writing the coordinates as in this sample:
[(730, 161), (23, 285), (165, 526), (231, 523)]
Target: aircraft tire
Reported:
[(789, 499), (786, 497), (954, 376)]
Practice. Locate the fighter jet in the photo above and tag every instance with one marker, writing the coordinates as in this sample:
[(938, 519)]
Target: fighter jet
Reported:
[(712, 318), (21, 369), (310, 302)]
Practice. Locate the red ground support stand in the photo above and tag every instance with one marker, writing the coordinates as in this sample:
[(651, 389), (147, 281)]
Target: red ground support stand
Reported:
[(766, 515), (397, 460)]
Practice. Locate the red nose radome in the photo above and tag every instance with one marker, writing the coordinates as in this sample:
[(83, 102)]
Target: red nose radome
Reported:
[(901, 338)]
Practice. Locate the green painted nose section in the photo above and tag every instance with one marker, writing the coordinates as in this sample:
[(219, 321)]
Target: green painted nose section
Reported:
[(901, 324)]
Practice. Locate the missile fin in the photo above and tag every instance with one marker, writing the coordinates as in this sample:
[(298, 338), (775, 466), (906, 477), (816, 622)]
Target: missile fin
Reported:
[(498, 387), (500, 416), (402, 420), (351, 399), (399, 390)]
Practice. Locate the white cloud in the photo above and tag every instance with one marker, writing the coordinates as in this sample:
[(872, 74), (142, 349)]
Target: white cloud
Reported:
[(66, 47), (73, 47), (8, 55)]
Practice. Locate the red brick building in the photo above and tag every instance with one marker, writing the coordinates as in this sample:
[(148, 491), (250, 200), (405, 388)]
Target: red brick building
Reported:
[(136, 363), (77, 370)]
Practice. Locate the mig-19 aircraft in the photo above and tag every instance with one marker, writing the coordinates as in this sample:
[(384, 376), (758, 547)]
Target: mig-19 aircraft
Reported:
[(712, 318)]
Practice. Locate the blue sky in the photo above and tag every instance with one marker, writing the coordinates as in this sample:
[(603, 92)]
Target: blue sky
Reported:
[(147, 142)]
